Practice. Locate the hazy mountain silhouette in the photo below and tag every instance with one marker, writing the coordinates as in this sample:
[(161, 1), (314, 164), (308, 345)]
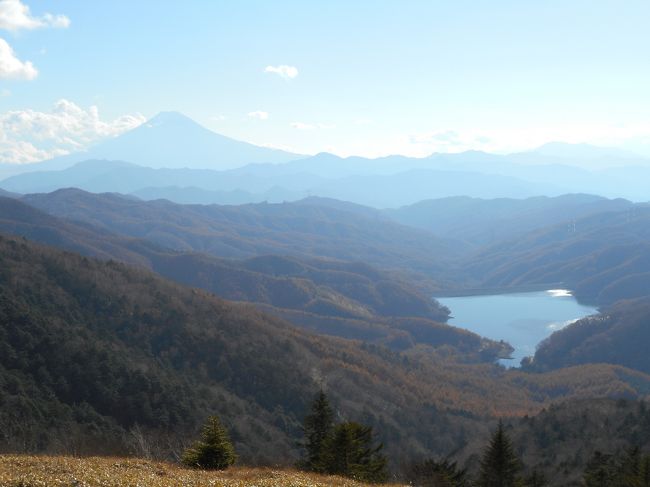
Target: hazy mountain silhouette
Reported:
[(101, 176), (485, 221), (170, 139), (276, 183), (173, 157), (299, 229), (382, 183)]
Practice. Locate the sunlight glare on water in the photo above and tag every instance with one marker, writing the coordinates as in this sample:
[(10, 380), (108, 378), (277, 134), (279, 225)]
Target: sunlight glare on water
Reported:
[(559, 293)]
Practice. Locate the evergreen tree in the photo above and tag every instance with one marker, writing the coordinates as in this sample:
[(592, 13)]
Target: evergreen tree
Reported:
[(432, 473), (628, 470), (644, 474), (213, 451), (317, 427), (631, 469), (599, 471), (348, 451), (536, 479), (499, 465)]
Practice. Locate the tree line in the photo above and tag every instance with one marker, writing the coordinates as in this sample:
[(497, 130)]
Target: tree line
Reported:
[(349, 449)]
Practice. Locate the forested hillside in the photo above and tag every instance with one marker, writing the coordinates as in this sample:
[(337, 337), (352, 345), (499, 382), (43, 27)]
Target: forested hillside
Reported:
[(562, 440), (603, 257), (619, 335), (95, 352), (296, 229), (480, 222), (364, 302)]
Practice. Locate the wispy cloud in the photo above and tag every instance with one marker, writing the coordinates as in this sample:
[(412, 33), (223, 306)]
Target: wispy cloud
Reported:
[(13, 68), (15, 15), (302, 126), (259, 115), (29, 135), (283, 70)]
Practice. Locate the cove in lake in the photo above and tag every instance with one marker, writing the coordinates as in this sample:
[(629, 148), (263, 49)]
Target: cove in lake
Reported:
[(521, 319)]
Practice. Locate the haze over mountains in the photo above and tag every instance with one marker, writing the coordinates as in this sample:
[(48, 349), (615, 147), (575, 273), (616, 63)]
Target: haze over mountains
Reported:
[(174, 158), (170, 139)]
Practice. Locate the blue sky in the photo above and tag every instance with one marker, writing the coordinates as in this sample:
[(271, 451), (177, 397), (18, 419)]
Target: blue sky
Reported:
[(373, 77)]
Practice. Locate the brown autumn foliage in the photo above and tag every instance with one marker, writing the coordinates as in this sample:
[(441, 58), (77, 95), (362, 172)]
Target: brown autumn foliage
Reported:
[(98, 357)]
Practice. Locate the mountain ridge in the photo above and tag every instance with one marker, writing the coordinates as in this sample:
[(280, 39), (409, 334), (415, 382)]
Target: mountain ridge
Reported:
[(173, 141), (169, 139)]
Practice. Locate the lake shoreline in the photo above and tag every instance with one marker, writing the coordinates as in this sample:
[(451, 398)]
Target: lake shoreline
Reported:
[(522, 316)]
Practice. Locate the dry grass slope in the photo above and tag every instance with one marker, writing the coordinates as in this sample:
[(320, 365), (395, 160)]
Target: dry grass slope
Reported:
[(39, 471)]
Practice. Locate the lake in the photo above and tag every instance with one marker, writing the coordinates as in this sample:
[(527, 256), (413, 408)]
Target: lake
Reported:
[(521, 319)]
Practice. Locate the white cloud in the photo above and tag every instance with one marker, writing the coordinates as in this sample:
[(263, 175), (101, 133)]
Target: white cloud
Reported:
[(5, 92), (29, 136), (14, 15), (259, 115), (13, 68), (302, 126), (284, 71), (218, 118)]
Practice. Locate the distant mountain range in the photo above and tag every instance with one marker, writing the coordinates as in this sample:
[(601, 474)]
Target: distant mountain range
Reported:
[(480, 222), (169, 139), (174, 158), (278, 182)]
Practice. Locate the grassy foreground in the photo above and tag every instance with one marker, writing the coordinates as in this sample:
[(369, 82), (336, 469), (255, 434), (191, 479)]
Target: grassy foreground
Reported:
[(39, 471)]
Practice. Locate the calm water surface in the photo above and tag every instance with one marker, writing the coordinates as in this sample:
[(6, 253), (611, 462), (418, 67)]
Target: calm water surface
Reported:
[(522, 319)]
